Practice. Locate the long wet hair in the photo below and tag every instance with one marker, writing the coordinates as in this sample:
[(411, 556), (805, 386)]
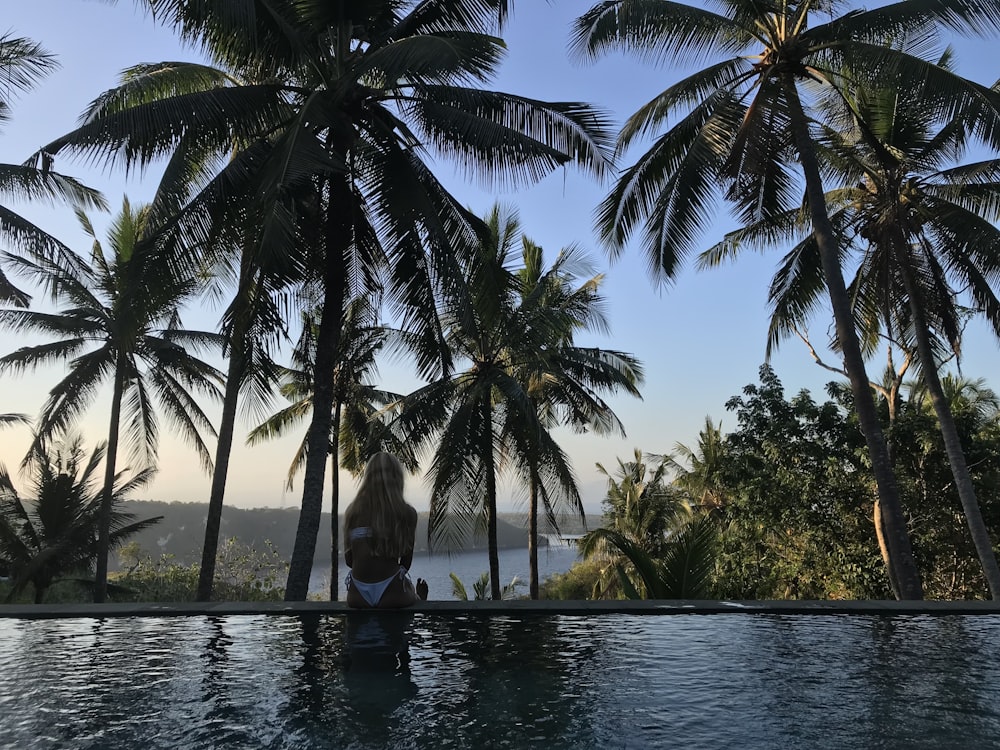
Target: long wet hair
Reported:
[(380, 506)]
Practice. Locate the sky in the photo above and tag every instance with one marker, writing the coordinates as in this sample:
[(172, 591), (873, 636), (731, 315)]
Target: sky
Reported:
[(701, 340)]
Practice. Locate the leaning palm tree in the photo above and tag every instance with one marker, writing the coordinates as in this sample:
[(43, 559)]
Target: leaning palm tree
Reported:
[(22, 64), (355, 434), (925, 229), (745, 120), (351, 95), (54, 536), (120, 322)]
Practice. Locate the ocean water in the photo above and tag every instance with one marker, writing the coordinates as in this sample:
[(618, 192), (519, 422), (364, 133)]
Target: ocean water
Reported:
[(415, 680), (468, 566)]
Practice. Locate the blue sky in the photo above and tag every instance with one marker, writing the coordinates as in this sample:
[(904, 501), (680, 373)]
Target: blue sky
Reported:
[(701, 340)]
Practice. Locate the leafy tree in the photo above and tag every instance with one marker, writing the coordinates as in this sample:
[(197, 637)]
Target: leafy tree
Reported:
[(798, 492), (743, 121), (55, 536), (948, 559), (353, 93), (22, 64), (120, 321), (244, 573)]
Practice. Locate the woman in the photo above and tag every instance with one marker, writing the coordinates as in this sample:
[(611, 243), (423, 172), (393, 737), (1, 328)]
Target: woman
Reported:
[(379, 531)]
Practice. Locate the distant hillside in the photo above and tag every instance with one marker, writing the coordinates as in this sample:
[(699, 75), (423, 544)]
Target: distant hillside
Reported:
[(182, 530), (567, 524)]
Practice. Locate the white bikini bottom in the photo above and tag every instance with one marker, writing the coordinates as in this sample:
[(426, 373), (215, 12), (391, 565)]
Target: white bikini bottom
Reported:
[(372, 592)]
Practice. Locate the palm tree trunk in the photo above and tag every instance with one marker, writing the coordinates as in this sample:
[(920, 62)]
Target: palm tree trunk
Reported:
[(491, 500), (338, 239), (107, 494), (533, 536), (882, 547), (335, 504), (317, 449), (227, 426), (949, 432), (894, 521), (213, 523)]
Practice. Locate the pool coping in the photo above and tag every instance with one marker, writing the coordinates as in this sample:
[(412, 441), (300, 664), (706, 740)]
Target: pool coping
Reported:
[(509, 607)]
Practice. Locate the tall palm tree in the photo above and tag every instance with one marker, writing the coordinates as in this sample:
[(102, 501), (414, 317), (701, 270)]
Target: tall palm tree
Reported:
[(518, 376), (211, 225), (55, 534), (743, 121), (565, 381), (121, 323), (251, 328), (353, 92), (925, 228), (22, 64), (354, 434)]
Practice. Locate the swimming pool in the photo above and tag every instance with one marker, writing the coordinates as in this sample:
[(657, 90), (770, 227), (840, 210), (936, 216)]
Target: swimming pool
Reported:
[(419, 680)]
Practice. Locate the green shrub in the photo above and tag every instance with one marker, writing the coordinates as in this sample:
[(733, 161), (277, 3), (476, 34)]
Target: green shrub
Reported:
[(242, 573), (576, 583)]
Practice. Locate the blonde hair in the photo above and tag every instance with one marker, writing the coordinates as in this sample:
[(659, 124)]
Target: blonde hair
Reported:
[(380, 506)]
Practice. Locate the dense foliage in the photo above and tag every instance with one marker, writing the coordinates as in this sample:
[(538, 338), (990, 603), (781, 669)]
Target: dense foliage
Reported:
[(792, 498), (243, 573)]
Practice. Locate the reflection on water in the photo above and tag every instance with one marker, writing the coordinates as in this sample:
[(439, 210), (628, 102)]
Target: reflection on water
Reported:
[(413, 680)]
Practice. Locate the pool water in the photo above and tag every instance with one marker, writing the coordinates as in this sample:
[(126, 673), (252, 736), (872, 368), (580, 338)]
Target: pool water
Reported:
[(416, 680)]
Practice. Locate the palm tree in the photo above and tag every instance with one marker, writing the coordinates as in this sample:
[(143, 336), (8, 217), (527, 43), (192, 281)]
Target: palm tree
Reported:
[(684, 571), (22, 64), (973, 398), (925, 229), (354, 437), (564, 381), (644, 542), (120, 322), (518, 373), (744, 120), (699, 470), (251, 327), (55, 535), (351, 95)]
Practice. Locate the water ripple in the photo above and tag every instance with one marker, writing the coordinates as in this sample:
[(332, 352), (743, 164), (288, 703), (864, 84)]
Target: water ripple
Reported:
[(418, 681)]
